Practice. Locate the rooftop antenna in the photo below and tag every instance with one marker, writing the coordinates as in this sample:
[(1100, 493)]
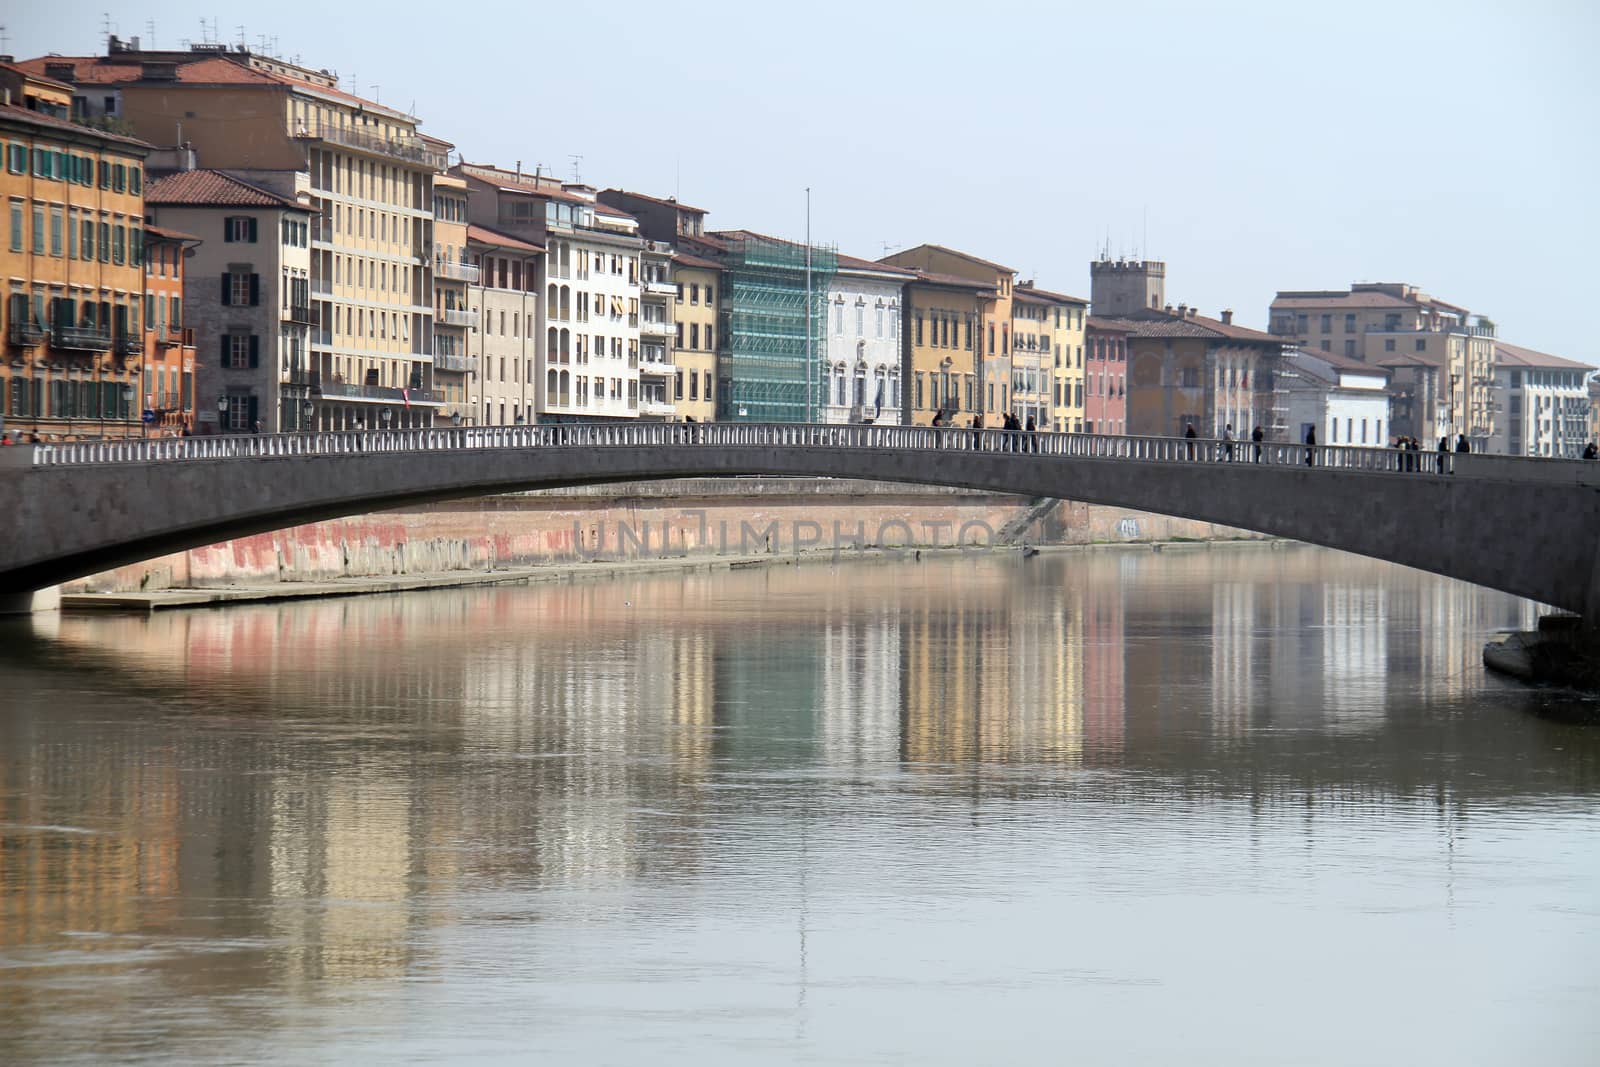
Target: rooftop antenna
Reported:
[(376, 90), (888, 247), (5, 41), (150, 32), (1144, 244), (243, 44), (577, 176), (105, 30)]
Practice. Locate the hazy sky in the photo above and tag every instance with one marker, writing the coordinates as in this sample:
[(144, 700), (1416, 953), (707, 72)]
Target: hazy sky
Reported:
[(1261, 146)]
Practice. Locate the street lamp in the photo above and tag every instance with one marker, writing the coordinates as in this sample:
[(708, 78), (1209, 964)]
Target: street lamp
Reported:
[(222, 413), (308, 411), (385, 415), (455, 418), (127, 404)]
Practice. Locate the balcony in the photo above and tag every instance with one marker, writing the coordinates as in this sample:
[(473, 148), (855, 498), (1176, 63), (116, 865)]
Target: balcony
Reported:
[(650, 405), (129, 346), (74, 337), (661, 288), (304, 314), (452, 362), (407, 149), (173, 337), (656, 327), (376, 394), (459, 317), (459, 272), (26, 334)]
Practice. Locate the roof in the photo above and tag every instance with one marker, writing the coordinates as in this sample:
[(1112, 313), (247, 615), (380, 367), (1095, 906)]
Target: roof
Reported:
[(684, 260), (962, 255), (36, 76), (204, 69), (1054, 298), (1348, 364), (16, 113), (1412, 359), (1151, 322), (950, 281), (508, 181), (1105, 325), (668, 202), (214, 188), (486, 236), (1340, 298), (1527, 357), (872, 266), (161, 233)]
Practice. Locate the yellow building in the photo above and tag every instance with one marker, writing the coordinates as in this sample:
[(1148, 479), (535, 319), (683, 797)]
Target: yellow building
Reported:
[(73, 256), (1060, 339), (698, 286), (941, 331), (993, 348), (363, 168)]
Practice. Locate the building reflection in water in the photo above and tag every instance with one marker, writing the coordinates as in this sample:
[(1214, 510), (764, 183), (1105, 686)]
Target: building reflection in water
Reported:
[(331, 777)]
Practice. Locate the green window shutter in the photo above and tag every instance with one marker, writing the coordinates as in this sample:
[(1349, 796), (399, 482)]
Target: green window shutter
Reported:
[(255, 290), (227, 289), (222, 356), (252, 231), (255, 358)]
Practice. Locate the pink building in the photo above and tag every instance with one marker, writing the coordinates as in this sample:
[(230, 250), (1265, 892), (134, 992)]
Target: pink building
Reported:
[(1105, 376)]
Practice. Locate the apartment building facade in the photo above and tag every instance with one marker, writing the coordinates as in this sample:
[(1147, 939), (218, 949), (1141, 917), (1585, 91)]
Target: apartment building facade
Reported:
[(657, 333), (247, 295), (504, 331), (993, 342), (1545, 404), (862, 356), (1379, 321), (74, 276), (1061, 336), (587, 338), (1347, 400), (167, 378), (455, 271), (697, 288), (940, 338), (1105, 376), (364, 170)]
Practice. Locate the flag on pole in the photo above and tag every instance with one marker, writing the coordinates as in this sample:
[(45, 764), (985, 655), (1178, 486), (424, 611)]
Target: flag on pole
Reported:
[(405, 394)]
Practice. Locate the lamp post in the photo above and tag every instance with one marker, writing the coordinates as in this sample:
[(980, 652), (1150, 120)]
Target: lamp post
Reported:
[(127, 402), (455, 418), (385, 416), (308, 411), (222, 413)]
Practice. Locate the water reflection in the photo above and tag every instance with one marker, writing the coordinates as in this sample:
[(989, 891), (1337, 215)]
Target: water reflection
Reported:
[(279, 800)]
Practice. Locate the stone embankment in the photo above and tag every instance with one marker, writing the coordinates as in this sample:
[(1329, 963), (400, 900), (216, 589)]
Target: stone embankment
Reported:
[(731, 521)]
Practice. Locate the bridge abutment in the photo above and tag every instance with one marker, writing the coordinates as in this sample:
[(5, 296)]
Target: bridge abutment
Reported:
[(47, 599)]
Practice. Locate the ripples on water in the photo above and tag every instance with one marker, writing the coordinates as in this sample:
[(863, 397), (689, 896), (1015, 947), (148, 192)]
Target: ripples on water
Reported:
[(1255, 804)]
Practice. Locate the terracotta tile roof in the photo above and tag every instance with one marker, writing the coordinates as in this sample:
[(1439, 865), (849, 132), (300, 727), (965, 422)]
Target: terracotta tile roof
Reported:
[(614, 211), (706, 241), (15, 113), (214, 188), (685, 260), (511, 182), (951, 281), (1153, 323), (1413, 359), (1527, 357), (1294, 300), (852, 263), (1054, 298), (963, 255), (1342, 362), (38, 75), (669, 202), (1105, 325), (164, 234), (486, 236)]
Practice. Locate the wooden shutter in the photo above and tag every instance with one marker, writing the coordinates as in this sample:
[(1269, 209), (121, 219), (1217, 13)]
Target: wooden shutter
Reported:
[(227, 289), (223, 360), (251, 425), (255, 351), (252, 231), (255, 290)]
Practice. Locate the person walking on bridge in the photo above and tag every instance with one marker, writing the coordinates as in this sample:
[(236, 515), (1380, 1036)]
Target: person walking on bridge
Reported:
[(1311, 445), (1189, 435), (1444, 451), (1462, 444), (1227, 442), (1591, 451), (1258, 435)]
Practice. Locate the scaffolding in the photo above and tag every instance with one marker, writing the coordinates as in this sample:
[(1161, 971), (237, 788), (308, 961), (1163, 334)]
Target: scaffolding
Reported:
[(771, 333)]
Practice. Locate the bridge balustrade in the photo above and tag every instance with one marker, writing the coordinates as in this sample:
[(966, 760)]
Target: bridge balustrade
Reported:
[(1024, 446)]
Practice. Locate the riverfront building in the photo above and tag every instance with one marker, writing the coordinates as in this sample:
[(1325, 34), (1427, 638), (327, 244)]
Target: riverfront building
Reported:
[(940, 334), (1545, 404), (657, 371), (501, 321), (456, 375), (1105, 376), (697, 283), (862, 356), (1345, 399), (167, 379), (1058, 334), (73, 258), (1379, 321), (247, 300), (992, 351), (362, 168)]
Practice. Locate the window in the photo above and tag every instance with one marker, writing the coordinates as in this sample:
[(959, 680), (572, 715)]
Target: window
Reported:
[(1388, 344), (17, 159), (17, 225), (1349, 346), (1349, 323), (240, 351), (694, 335), (694, 294), (710, 345), (1326, 323), (861, 326), (241, 289)]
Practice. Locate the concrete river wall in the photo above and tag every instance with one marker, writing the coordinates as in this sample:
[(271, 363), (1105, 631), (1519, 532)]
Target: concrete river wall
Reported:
[(699, 518)]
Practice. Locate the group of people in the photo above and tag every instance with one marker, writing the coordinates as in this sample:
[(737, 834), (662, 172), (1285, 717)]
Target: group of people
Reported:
[(1009, 425), (1226, 453)]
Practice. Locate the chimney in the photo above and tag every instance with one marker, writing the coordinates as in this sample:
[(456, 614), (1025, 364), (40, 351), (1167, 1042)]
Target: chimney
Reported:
[(1183, 311), (1227, 316), (1193, 312)]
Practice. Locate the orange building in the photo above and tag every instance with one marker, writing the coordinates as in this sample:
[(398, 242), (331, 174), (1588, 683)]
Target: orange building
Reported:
[(167, 382), (73, 245)]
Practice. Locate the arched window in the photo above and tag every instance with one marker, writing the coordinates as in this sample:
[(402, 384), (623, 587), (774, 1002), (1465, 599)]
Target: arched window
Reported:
[(550, 301), (552, 344)]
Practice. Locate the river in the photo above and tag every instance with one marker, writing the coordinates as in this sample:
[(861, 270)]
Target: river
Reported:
[(1245, 804)]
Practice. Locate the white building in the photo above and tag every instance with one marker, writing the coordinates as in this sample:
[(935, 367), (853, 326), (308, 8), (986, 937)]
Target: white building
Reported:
[(861, 360), (247, 289), (658, 372), (1345, 399), (1544, 404)]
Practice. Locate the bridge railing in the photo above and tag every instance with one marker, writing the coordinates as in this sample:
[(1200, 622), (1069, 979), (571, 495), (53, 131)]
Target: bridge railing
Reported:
[(1022, 445)]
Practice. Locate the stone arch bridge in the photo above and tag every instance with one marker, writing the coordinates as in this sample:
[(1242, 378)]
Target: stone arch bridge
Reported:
[(1530, 527)]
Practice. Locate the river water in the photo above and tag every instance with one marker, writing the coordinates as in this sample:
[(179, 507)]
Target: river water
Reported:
[(1231, 805)]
